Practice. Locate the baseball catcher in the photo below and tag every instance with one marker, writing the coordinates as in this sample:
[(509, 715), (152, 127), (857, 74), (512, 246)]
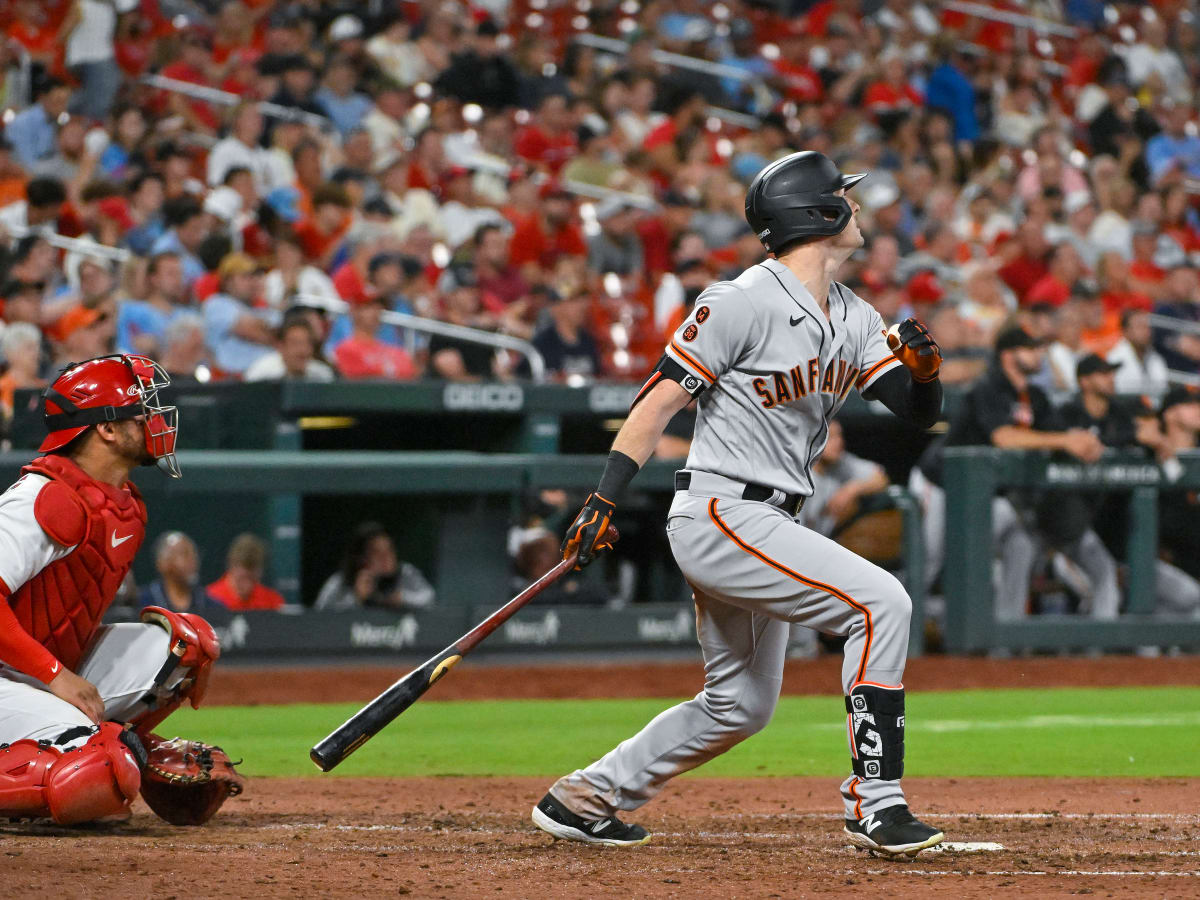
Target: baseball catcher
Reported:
[(78, 700)]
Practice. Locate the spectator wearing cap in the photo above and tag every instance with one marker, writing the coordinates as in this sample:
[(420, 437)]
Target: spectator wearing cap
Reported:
[(32, 131), (482, 73), (320, 235), (1140, 368), (1006, 410), (142, 324), (397, 54), (23, 301), (241, 148), (187, 227), (344, 106), (82, 333), (237, 334), (363, 354), (452, 358), (294, 357), (21, 349), (566, 344), (388, 276)]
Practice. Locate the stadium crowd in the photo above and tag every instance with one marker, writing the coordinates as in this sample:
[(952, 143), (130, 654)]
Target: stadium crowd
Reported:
[(252, 163)]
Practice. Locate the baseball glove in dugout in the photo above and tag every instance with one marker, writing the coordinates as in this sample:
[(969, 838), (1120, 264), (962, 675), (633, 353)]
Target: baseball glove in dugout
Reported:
[(185, 782)]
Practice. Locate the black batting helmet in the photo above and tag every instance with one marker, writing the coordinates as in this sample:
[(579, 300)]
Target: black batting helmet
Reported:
[(793, 199)]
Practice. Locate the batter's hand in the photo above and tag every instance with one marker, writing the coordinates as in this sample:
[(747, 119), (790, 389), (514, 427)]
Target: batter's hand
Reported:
[(587, 532), (912, 344), (79, 692)]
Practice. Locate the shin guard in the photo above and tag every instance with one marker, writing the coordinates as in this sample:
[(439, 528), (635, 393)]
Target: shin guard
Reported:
[(99, 778), (875, 718)]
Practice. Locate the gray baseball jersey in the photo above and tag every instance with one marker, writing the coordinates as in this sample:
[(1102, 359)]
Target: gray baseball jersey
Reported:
[(776, 371), (770, 370)]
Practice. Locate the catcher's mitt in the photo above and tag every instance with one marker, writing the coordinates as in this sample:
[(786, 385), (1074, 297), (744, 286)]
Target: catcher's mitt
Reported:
[(185, 782)]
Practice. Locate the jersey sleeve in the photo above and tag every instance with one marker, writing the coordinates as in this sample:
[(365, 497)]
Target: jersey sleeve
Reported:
[(25, 549), (874, 358), (715, 335)]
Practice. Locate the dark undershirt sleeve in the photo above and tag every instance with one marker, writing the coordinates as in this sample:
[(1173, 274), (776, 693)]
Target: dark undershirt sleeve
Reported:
[(914, 402)]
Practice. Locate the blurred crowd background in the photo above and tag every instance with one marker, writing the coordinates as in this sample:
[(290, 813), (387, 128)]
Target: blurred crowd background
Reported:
[(250, 186)]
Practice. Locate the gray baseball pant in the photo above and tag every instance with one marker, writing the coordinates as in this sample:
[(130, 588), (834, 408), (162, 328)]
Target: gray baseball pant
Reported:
[(754, 570)]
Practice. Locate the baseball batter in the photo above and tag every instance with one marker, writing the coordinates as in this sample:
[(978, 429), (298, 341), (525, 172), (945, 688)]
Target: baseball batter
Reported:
[(78, 701), (772, 356)]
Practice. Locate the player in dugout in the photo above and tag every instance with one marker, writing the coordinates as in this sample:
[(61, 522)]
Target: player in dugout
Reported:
[(79, 700)]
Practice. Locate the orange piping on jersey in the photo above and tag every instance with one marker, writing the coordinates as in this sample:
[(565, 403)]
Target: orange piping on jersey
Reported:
[(866, 376), (858, 799), (695, 364), (890, 687), (832, 591)]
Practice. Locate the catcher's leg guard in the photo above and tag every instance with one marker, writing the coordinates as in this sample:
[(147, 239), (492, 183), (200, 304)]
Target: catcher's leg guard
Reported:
[(97, 779), (194, 645)]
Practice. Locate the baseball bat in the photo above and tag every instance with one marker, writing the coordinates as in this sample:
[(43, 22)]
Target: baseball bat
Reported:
[(373, 717)]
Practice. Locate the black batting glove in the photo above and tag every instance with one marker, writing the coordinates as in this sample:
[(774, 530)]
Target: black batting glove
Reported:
[(913, 345), (588, 530)]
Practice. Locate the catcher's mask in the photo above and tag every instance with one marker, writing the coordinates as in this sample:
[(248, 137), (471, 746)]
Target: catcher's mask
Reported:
[(108, 389)]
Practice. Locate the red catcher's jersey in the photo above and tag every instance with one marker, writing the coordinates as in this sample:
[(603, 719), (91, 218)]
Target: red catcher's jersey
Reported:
[(61, 606)]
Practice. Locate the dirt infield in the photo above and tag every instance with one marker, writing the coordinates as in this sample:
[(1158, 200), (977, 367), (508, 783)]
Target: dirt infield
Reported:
[(820, 676), (765, 837), (726, 838)]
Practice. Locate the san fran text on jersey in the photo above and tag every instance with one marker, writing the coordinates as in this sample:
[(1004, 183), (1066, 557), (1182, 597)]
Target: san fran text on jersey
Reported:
[(770, 371)]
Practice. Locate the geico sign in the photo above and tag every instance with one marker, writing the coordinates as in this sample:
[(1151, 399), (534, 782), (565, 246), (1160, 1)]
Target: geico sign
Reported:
[(483, 396)]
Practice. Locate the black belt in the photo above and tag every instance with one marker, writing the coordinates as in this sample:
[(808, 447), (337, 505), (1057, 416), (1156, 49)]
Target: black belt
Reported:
[(791, 504)]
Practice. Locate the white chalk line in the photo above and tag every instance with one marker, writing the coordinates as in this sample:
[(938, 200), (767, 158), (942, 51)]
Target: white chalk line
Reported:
[(1076, 873), (942, 726)]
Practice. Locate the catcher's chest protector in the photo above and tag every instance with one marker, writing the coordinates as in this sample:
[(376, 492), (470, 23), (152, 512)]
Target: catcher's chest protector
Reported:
[(61, 606)]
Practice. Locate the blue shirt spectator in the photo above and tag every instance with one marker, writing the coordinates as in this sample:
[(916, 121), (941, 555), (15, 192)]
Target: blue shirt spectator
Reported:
[(1173, 148), (950, 90), (345, 106), (237, 335), (32, 131)]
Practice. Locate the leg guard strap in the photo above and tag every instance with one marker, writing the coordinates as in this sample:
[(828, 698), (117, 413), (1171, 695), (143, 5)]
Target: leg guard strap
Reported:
[(876, 723)]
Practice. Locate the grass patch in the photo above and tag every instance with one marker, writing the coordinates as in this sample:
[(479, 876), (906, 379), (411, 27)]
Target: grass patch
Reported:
[(1045, 732)]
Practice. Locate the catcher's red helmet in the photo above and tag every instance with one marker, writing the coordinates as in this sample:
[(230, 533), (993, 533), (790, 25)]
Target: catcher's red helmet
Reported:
[(106, 389)]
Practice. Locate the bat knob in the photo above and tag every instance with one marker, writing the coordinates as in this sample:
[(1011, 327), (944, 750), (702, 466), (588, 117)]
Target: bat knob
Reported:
[(893, 337)]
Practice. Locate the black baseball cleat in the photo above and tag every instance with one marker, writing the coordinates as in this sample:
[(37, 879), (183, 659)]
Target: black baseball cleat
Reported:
[(555, 819), (893, 831)]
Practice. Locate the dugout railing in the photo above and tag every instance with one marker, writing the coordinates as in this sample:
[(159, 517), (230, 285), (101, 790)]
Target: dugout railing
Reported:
[(974, 475)]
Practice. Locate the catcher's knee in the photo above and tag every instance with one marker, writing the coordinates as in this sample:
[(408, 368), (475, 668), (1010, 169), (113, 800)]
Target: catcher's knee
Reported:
[(99, 778)]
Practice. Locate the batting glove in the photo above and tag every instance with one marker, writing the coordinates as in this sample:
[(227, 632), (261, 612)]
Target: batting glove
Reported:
[(588, 530), (913, 345)]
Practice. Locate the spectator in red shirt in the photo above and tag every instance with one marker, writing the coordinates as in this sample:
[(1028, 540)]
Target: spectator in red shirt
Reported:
[(548, 141), (241, 587), (1145, 276), (363, 355), (1066, 268), (800, 80), (892, 94), (321, 233), (541, 240), (195, 66), (1117, 291), (686, 111), (1026, 259)]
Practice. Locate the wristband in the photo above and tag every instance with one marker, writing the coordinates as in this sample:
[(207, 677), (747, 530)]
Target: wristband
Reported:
[(618, 472)]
